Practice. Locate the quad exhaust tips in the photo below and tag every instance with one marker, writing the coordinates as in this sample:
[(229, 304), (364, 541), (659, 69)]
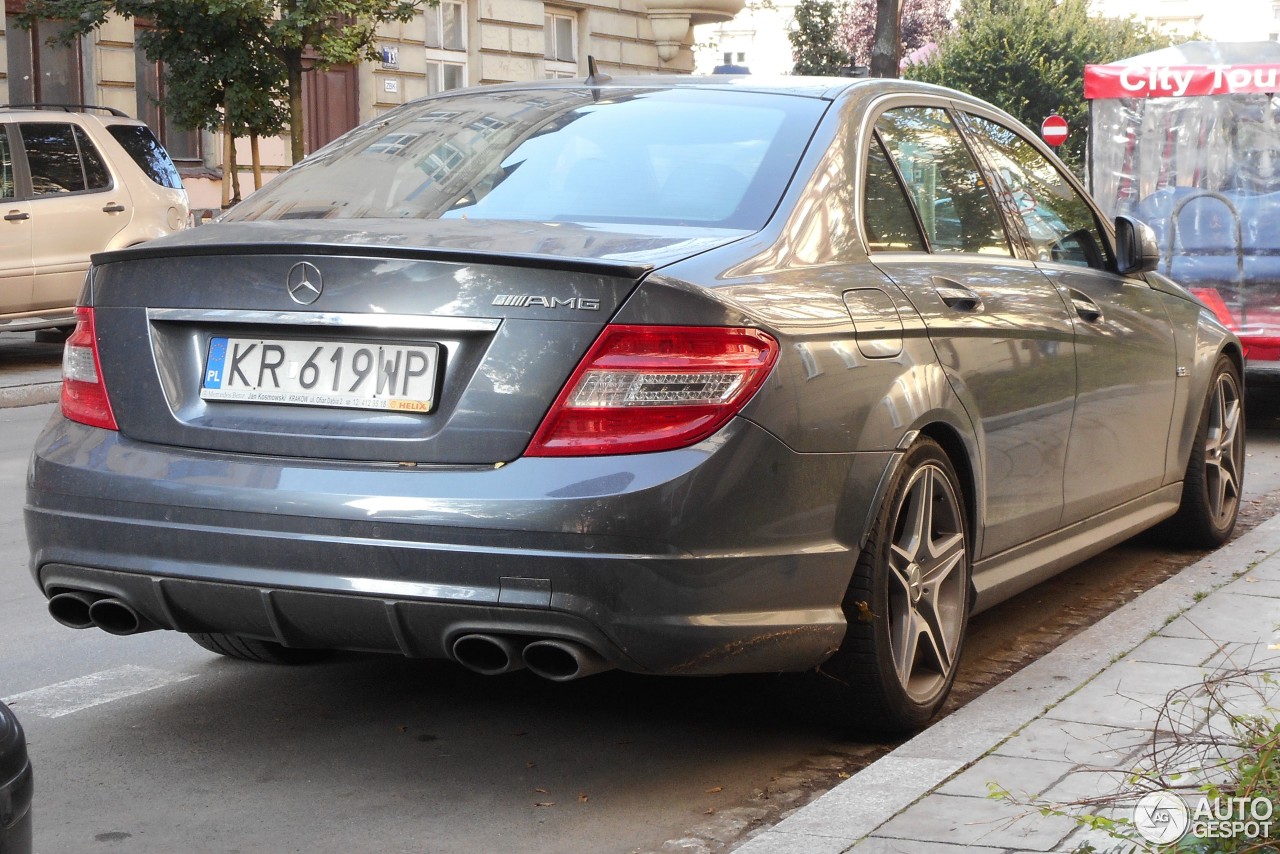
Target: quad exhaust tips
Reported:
[(557, 660), (80, 609)]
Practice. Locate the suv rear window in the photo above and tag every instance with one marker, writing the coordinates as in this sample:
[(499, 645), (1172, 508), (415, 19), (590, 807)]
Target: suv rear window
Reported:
[(676, 156), (148, 153)]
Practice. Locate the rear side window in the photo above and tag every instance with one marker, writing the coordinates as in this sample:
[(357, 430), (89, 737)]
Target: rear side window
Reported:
[(6, 165), (951, 195), (96, 174), (886, 212), (62, 159), (145, 150)]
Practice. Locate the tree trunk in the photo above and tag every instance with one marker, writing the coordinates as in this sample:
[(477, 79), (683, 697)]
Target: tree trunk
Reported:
[(886, 49), (228, 160), (297, 129), (235, 174), (257, 161)]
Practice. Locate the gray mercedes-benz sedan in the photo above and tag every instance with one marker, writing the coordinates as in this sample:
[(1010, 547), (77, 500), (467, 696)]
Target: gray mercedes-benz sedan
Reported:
[(672, 375)]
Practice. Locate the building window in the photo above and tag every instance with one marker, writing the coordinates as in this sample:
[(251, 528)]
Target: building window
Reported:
[(183, 145), (41, 73), (560, 34), (446, 46)]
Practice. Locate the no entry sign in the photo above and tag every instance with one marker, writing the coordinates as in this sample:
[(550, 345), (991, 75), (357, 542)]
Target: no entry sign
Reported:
[(1054, 130)]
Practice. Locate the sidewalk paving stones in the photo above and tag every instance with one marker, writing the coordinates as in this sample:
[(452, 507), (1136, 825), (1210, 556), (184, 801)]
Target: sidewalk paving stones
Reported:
[(1069, 727)]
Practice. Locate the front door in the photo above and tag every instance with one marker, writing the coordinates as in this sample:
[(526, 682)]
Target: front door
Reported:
[(1125, 355)]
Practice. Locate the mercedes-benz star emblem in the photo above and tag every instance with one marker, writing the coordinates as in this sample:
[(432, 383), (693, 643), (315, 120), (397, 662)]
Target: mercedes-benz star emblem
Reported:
[(305, 283)]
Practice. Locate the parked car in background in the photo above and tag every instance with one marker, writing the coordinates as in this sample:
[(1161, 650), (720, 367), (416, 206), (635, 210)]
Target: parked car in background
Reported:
[(672, 375), (73, 182), (15, 786)]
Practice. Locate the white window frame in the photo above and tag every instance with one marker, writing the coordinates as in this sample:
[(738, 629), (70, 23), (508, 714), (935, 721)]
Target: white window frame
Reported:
[(446, 58), (561, 59)]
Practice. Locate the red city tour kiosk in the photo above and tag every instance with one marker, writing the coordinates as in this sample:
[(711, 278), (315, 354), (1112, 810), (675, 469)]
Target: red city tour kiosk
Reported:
[(1187, 140)]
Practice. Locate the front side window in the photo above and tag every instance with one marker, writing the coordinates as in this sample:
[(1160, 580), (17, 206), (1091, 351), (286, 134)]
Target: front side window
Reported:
[(951, 195), (62, 159), (1059, 223), (679, 156), (446, 43)]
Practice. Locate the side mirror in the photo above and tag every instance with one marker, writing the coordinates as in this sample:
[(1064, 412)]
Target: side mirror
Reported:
[(1136, 247)]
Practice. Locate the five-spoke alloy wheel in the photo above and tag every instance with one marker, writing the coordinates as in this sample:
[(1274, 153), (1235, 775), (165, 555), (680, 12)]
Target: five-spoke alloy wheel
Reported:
[(907, 605)]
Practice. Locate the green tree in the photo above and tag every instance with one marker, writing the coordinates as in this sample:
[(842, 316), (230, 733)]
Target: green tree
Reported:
[(299, 34), (816, 43), (1028, 57)]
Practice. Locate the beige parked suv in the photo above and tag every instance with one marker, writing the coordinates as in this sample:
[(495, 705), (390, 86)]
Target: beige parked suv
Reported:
[(73, 182)]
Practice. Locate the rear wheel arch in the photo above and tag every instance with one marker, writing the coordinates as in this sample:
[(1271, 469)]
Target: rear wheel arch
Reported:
[(959, 455)]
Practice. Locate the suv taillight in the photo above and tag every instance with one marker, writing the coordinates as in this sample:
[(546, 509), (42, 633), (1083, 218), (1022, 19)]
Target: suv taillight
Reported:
[(84, 394), (654, 388)]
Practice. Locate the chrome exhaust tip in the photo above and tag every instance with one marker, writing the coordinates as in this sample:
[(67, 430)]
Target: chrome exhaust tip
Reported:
[(488, 655), (71, 608), (563, 661), (118, 618)]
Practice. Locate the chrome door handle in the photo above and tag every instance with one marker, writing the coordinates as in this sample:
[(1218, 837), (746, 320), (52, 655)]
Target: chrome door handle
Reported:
[(114, 207), (14, 216), (956, 295)]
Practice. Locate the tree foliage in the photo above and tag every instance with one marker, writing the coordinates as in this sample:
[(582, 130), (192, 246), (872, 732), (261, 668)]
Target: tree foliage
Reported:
[(1028, 57), (288, 36), (816, 43)]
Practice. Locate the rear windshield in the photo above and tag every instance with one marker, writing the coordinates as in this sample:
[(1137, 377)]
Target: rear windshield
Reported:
[(677, 156), (148, 153)]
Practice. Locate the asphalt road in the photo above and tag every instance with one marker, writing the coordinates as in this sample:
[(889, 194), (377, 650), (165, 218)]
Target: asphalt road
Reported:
[(151, 745)]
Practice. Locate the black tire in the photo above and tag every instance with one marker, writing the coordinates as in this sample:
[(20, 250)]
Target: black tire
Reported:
[(252, 649), (1214, 479), (907, 605)]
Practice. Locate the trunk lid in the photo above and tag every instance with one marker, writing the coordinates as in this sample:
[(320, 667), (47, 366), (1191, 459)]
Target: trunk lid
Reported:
[(500, 312)]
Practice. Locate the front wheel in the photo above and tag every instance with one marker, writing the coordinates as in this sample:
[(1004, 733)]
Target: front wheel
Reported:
[(907, 606), (1212, 486)]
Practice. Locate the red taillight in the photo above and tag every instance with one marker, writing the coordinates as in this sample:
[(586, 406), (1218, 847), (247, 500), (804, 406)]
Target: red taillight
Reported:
[(84, 394), (654, 388)]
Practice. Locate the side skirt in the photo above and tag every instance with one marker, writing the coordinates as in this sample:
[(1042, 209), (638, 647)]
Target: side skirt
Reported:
[(1007, 574)]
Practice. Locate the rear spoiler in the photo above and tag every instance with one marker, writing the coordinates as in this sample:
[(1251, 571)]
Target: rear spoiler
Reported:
[(591, 266)]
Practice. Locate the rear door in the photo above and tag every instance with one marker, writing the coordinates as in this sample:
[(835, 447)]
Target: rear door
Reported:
[(15, 233), (999, 327), (76, 208), (1125, 356)]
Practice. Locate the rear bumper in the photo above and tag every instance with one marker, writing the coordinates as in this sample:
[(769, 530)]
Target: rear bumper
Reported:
[(713, 559)]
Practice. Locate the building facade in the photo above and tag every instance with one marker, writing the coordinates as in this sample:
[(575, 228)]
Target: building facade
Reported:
[(453, 44), (1237, 20)]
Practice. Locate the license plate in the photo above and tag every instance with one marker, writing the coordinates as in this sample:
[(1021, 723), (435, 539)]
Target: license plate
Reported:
[(349, 374)]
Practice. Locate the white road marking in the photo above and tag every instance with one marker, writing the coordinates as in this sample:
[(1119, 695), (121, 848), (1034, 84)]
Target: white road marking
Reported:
[(74, 695)]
